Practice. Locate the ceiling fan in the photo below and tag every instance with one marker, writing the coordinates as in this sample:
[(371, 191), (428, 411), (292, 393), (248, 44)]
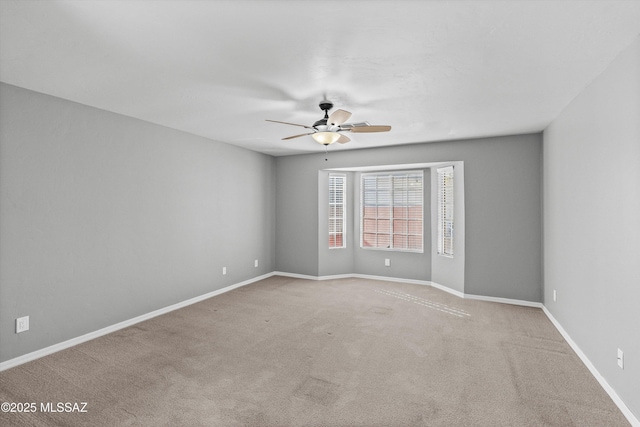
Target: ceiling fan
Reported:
[(327, 130)]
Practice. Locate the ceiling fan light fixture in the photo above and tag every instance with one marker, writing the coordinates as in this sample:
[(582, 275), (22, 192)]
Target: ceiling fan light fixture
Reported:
[(326, 130), (326, 138)]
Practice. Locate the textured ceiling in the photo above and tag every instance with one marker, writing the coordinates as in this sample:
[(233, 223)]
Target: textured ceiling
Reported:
[(433, 70)]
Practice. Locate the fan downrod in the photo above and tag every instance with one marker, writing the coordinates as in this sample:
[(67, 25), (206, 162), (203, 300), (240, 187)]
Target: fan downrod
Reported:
[(324, 106)]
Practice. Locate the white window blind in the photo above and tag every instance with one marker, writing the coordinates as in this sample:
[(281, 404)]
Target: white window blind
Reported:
[(445, 211), (337, 210), (391, 213)]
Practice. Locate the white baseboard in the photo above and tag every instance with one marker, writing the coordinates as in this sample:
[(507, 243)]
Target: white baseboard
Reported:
[(414, 281), (505, 300), (121, 325), (305, 276), (392, 279), (448, 290), (351, 276), (605, 385)]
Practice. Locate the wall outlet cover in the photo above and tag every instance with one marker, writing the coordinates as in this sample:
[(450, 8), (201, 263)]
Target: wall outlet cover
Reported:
[(22, 324), (620, 359)]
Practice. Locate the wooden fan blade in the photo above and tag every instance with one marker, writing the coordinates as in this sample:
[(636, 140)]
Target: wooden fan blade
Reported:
[(297, 136), (338, 117), (343, 139), (372, 128), (287, 123)]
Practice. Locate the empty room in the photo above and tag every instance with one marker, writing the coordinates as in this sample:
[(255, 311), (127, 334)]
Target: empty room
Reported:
[(319, 213)]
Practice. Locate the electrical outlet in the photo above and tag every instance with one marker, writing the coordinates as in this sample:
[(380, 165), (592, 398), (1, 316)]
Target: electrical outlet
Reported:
[(224, 270), (255, 263), (620, 359), (22, 324), (555, 296), (387, 262)]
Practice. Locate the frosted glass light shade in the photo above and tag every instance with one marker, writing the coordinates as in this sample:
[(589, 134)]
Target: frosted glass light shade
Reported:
[(326, 138)]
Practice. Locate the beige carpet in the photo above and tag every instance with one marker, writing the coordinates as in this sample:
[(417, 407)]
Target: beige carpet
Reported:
[(291, 352)]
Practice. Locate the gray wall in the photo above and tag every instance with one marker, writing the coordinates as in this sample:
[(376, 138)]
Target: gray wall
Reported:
[(592, 222), (502, 204), (104, 218)]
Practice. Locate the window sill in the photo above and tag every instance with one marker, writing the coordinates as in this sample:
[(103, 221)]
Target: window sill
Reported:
[(411, 251)]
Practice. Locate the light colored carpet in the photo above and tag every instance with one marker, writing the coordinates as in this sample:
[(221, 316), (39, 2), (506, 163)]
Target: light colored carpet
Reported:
[(349, 352)]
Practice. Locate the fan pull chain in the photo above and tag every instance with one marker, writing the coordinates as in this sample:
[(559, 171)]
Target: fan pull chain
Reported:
[(326, 153)]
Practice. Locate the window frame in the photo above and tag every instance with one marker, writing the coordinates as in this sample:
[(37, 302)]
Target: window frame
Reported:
[(330, 217), (391, 174)]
